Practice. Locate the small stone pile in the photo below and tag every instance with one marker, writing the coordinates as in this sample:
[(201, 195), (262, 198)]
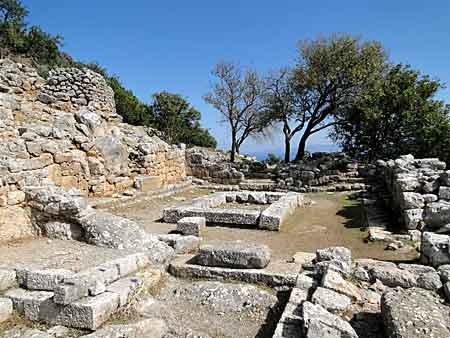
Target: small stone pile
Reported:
[(212, 166), (322, 172)]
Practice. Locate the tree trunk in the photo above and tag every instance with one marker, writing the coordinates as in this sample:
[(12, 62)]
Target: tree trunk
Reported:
[(287, 149), (302, 146), (233, 146), (238, 148)]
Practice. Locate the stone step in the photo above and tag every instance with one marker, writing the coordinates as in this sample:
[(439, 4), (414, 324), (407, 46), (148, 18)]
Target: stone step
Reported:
[(276, 274), (86, 313), (95, 280)]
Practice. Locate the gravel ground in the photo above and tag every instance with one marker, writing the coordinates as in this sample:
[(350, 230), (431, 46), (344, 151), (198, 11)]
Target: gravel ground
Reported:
[(216, 310)]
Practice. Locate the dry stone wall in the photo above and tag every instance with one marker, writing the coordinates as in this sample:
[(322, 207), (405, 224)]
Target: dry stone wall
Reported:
[(418, 190), (65, 131)]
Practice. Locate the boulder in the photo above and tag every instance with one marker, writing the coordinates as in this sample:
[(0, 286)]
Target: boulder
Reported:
[(331, 300), (240, 255), (435, 249), (319, 323), (414, 313), (191, 226)]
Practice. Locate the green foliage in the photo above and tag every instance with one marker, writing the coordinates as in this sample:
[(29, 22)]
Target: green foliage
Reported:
[(397, 115), (331, 73), (272, 159), (17, 39), (179, 121), (129, 106)]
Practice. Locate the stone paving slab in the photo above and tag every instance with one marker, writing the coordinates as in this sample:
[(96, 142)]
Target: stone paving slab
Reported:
[(275, 275)]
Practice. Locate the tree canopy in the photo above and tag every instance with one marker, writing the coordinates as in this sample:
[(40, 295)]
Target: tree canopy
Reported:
[(237, 95), (397, 115), (179, 121)]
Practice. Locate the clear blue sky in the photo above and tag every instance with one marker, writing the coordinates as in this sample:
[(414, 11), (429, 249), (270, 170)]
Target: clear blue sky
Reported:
[(173, 45)]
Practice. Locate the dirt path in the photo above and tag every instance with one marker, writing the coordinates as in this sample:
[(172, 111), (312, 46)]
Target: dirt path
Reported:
[(334, 219)]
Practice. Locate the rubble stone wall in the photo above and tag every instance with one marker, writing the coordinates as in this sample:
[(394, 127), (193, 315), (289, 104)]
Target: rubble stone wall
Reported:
[(419, 192), (65, 131), (323, 171)]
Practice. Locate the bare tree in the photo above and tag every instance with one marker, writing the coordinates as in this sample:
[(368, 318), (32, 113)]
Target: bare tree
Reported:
[(237, 95)]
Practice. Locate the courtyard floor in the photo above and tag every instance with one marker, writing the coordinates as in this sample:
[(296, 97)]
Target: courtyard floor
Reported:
[(333, 220)]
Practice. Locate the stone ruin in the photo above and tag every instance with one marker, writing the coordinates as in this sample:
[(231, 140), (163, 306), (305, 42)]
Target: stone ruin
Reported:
[(280, 205), (65, 131), (63, 146), (328, 172)]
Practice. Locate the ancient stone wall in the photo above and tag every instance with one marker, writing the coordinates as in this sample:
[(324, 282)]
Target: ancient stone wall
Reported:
[(65, 131), (323, 171), (212, 166), (419, 191)]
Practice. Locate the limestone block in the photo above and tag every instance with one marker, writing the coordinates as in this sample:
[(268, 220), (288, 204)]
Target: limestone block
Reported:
[(444, 193), (234, 255), (320, 323), (435, 249), (191, 226), (6, 309), (412, 218), (331, 300), (411, 200), (45, 280), (334, 281), (404, 311), (7, 279)]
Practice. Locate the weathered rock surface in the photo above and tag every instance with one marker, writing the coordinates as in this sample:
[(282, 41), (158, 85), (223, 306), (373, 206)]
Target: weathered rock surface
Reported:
[(319, 323), (414, 313), (238, 254)]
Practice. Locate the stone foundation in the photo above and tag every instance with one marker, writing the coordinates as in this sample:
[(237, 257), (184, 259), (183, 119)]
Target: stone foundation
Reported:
[(280, 206)]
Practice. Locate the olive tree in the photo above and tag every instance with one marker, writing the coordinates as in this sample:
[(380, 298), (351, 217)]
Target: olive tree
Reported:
[(330, 74)]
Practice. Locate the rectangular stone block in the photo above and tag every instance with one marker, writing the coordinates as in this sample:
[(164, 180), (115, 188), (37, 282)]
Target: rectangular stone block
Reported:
[(232, 216), (444, 193), (191, 226), (7, 279), (35, 302), (276, 274), (45, 280), (6, 309), (88, 282), (272, 217), (22, 299), (88, 313)]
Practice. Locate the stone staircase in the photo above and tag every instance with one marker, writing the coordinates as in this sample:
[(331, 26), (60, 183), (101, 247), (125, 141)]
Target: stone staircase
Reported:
[(81, 300)]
